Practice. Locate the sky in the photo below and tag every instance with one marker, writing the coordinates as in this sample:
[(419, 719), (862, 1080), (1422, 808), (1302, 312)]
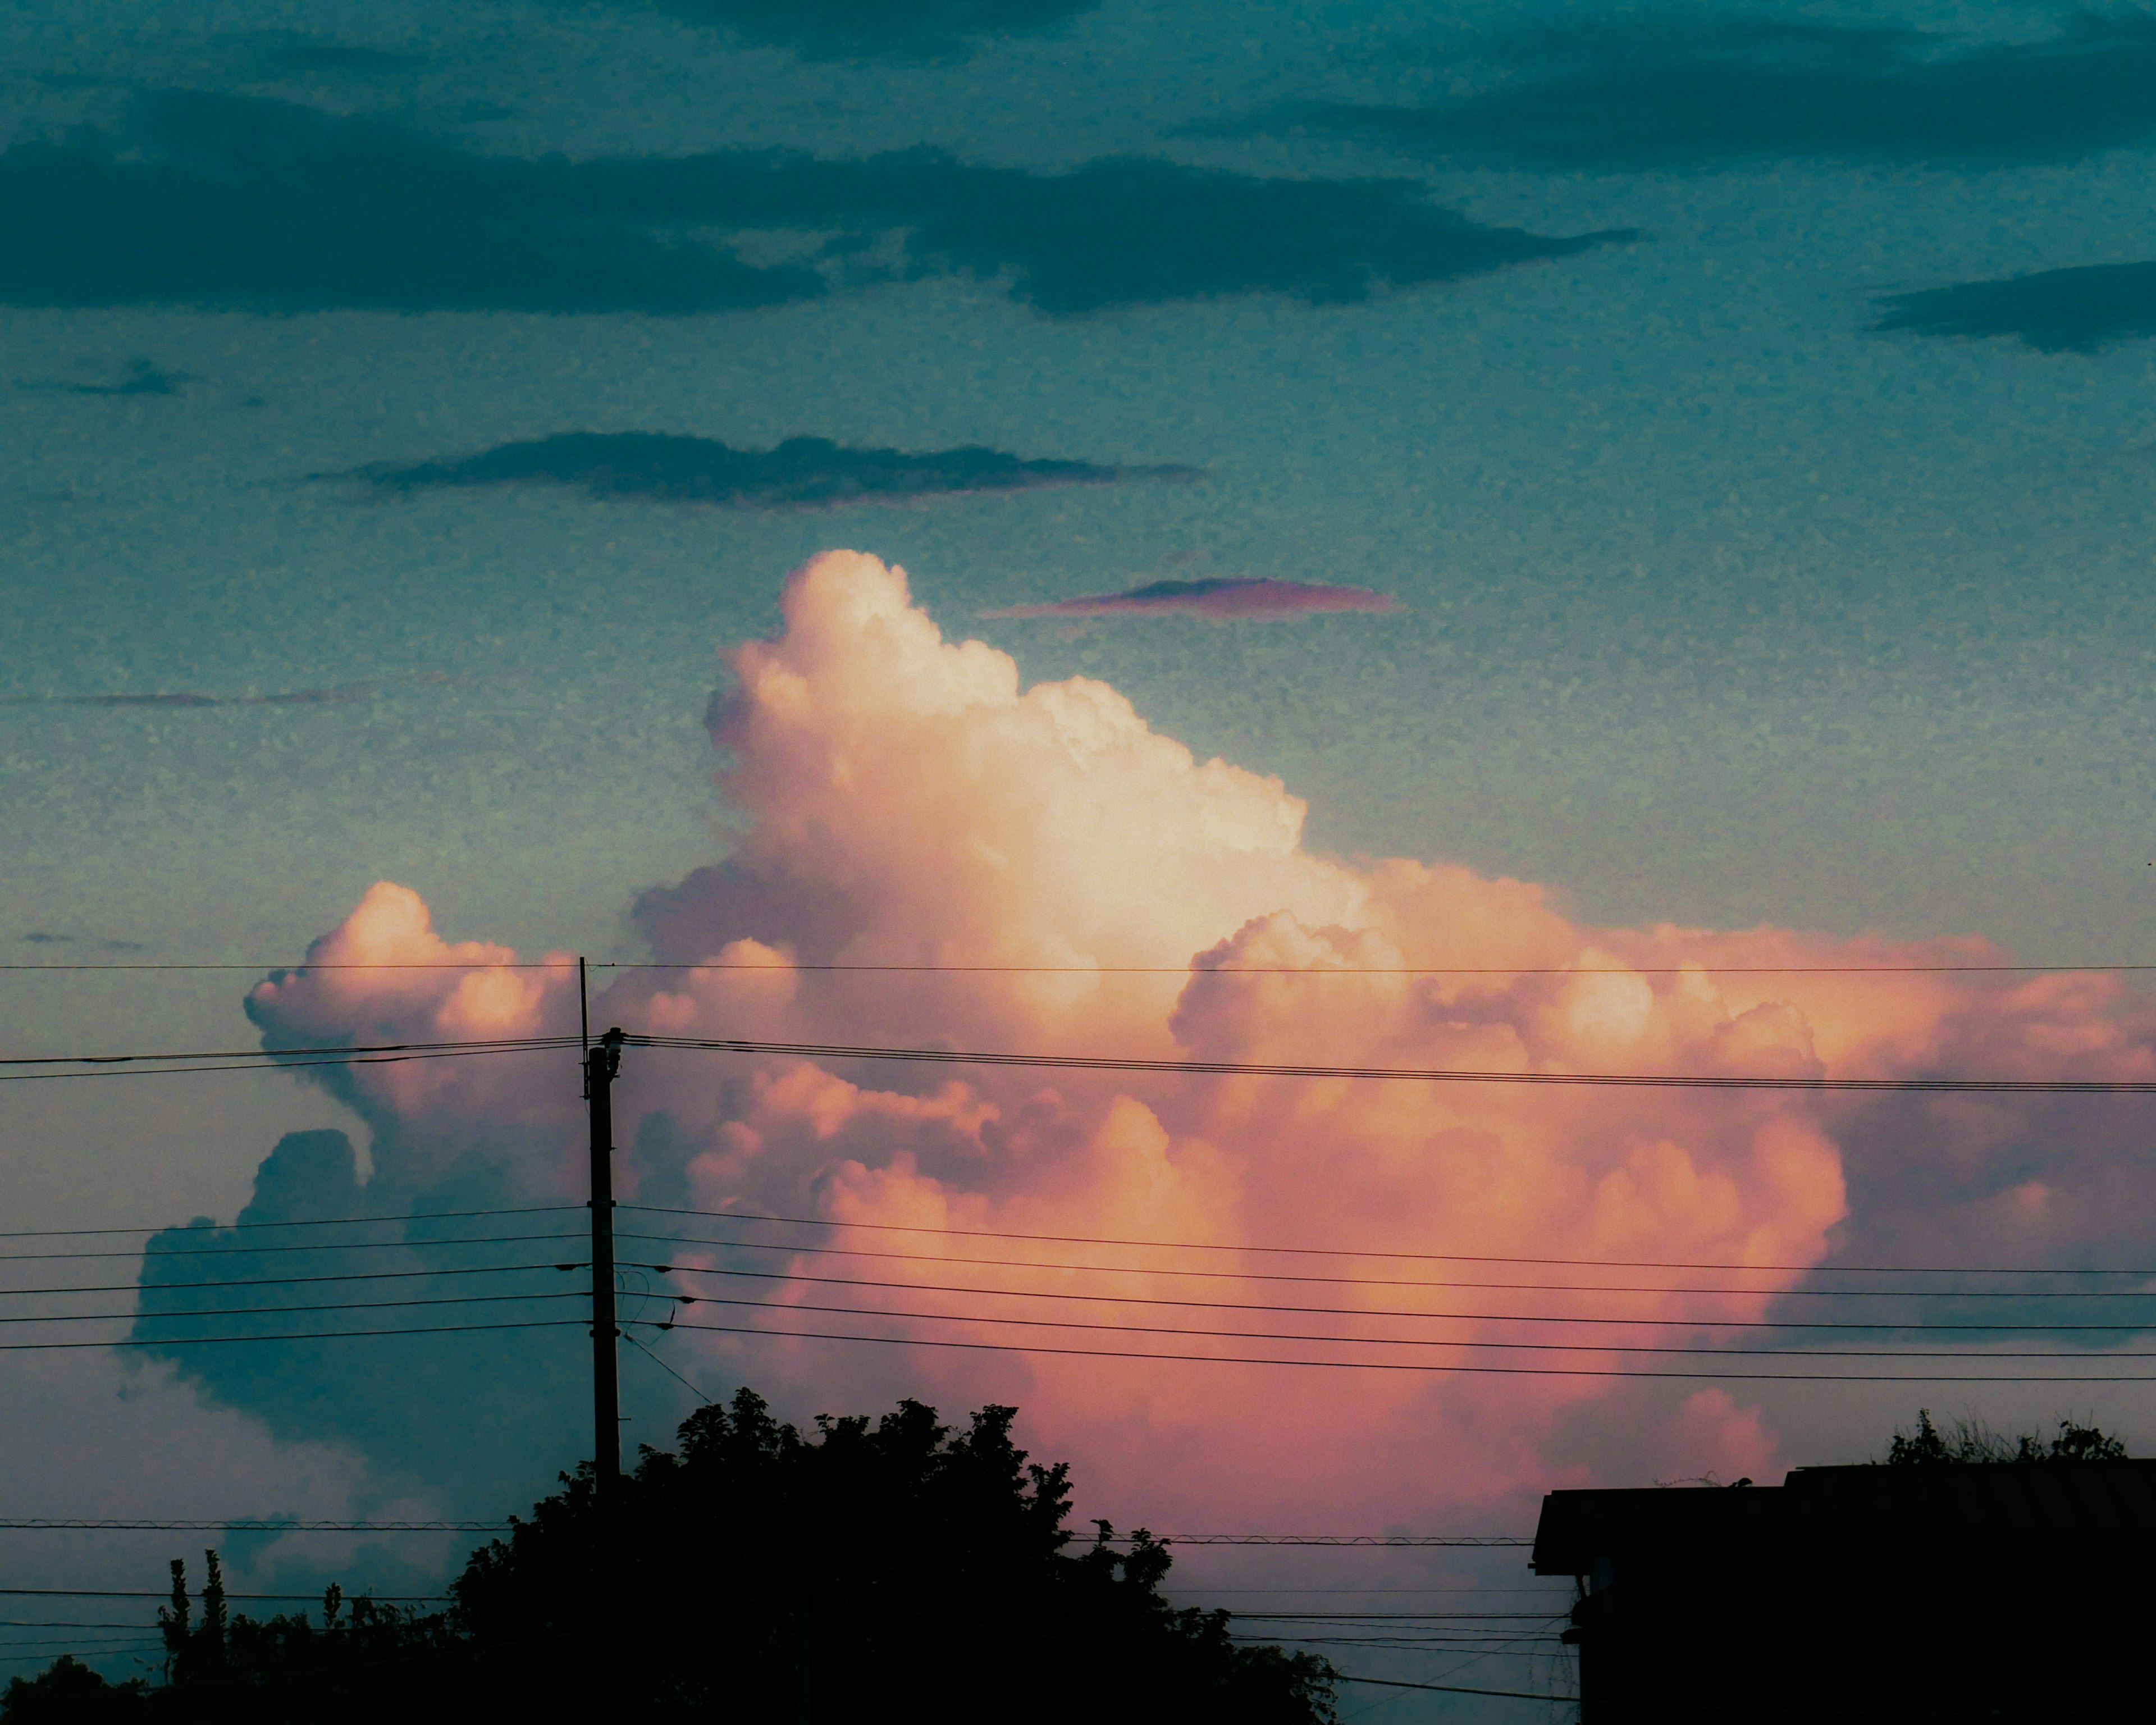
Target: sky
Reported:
[(1525, 488)]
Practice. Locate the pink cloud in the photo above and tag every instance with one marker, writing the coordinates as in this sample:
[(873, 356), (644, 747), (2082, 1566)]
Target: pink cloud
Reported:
[(1220, 599), (908, 802)]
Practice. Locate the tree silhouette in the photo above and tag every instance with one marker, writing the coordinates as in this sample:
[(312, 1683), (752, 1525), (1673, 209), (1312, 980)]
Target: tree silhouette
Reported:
[(862, 1569)]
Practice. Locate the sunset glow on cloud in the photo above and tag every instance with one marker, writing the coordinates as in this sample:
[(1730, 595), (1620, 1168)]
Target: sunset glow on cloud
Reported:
[(1088, 886)]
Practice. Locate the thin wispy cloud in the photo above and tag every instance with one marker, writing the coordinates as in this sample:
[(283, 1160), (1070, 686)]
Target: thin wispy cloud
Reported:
[(1691, 90), (802, 472), (2077, 311), (142, 379), (1220, 598), (47, 938), (300, 57), (187, 698), (244, 204), (878, 29)]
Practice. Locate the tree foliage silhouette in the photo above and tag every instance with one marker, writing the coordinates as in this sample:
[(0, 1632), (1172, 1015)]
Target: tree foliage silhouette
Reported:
[(862, 1569), (1971, 1439)]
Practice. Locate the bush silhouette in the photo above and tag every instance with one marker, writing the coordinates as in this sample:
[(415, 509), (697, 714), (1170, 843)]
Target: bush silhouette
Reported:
[(863, 1570)]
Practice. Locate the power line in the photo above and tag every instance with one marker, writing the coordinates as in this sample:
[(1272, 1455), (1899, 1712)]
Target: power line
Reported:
[(337, 1246), (1479, 1343), (1452, 1688), (1417, 1075), (93, 1593), (251, 1059), (282, 1281), (245, 1524), (1364, 1617), (240, 1524), (537, 1323), (1204, 1246), (1408, 1365), (1522, 1317), (1472, 1541), (277, 1063), (669, 1370), (300, 967), (529, 1210), (465, 1044), (1377, 1281), (152, 1316)]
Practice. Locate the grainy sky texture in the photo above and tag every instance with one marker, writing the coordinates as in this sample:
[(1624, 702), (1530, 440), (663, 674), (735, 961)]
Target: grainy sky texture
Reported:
[(1373, 486)]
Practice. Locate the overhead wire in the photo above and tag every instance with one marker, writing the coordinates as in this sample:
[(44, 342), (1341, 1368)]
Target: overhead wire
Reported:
[(258, 1065), (1417, 1075), (1480, 1343), (258, 1524), (1449, 1366), (1206, 1245), (537, 1323), (1252, 1248), (238, 1524), (150, 1314), (281, 1281), (528, 1210), (292, 968), (236, 1060), (1889, 1324), (163, 1252), (469, 1044), (95, 1593), (1274, 1276)]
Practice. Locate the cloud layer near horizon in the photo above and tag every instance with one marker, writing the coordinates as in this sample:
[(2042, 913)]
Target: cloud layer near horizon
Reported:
[(908, 802), (1219, 598), (803, 472)]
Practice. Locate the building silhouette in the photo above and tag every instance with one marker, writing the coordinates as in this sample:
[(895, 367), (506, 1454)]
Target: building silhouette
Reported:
[(1961, 1592)]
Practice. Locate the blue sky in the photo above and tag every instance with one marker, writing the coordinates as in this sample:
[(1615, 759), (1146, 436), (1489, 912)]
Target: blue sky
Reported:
[(1764, 485)]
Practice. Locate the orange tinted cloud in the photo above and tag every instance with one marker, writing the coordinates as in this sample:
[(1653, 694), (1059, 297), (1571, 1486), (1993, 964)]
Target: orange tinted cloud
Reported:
[(1089, 885)]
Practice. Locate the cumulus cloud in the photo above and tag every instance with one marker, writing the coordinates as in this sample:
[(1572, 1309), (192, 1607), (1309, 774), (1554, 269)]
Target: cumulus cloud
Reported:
[(803, 472), (251, 204), (2078, 310), (1693, 91), (1085, 885), (1219, 598)]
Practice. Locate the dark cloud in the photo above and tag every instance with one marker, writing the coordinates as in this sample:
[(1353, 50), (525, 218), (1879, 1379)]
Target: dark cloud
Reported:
[(864, 29), (245, 203), (503, 1402), (43, 938), (801, 472), (1219, 598), (143, 378), (2055, 310), (1692, 91)]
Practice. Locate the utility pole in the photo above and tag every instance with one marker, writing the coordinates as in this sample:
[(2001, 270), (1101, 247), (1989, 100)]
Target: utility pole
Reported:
[(601, 1064)]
